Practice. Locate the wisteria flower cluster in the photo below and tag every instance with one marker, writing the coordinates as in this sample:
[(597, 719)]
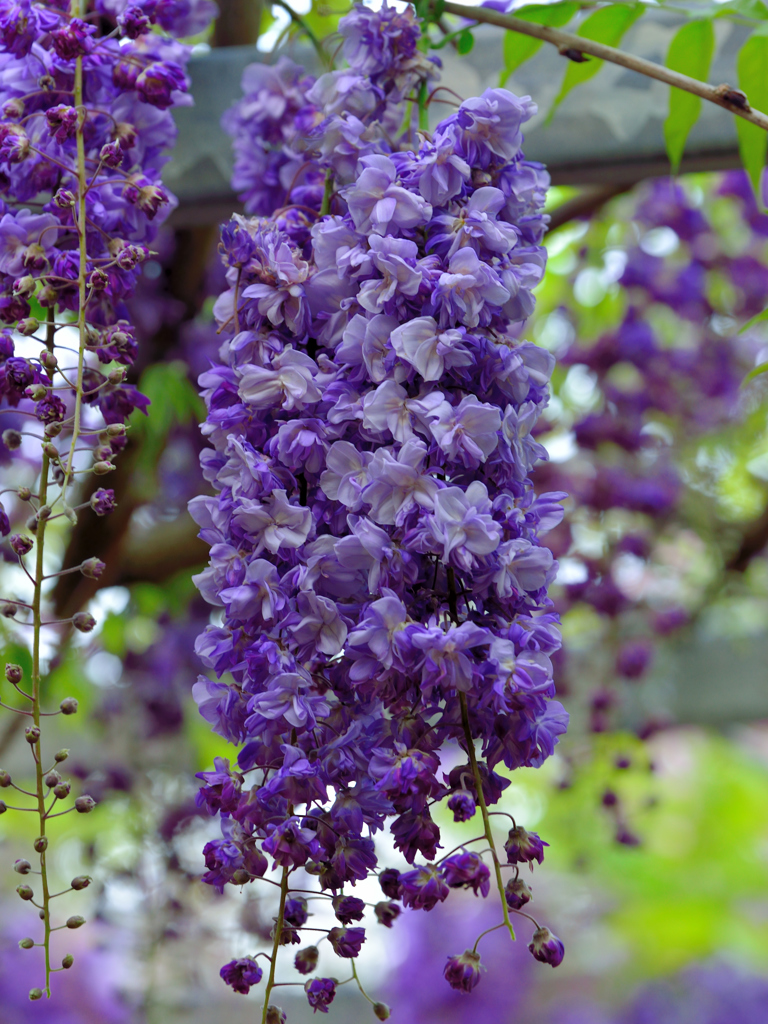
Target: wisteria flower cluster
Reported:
[(85, 94), (375, 534)]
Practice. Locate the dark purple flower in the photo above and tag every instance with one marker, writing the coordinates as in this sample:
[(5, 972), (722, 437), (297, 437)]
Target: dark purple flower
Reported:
[(305, 960), (390, 883), (463, 805), (424, 887), (467, 870), (387, 913), (241, 974), (74, 39), (62, 122), (524, 847), (103, 501), (546, 947), (348, 908), (133, 22), (296, 912), (463, 972), (159, 81), (346, 942), (320, 993), (517, 893)]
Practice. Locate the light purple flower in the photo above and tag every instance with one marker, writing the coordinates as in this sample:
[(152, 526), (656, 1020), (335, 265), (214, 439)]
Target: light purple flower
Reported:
[(377, 204)]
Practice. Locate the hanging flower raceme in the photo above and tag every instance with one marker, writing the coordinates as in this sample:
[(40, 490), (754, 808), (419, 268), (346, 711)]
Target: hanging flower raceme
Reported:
[(85, 124), (374, 537)]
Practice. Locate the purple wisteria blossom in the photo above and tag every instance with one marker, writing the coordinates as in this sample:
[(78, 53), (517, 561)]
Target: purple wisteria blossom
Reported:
[(375, 537)]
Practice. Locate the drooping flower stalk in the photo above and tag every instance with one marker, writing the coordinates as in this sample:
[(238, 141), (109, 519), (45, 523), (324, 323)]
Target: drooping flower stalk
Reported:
[(68, 146), (374, 535)]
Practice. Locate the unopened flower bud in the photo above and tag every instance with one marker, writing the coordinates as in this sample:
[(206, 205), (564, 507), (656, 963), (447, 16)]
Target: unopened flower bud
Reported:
[(32, 734), (12, 439), (111, 154), (115, 430), (44, 512), (61, 755), (517, 893), (83, 621), (386, 913), (41, 844), (51, 451), (14, 675), (102, 454), (546, 947), (24, 286), (3, 806), (92, 568), (102, 468), (81, 882), (8, 609), (22, 867), (64, 199), (305, 960), (382, 1011), (117, 376), (53, 429), (98, 280), (463, 972), (25, 891), (5, 779), (75, 922), (26, 944), (84, 804), (28, 326), (21, 545), (52, 779), (67, 961), (275, 1015), (62, 790), (68, 706), (524, 847), (48, 359), (13, 109), (35, 994), (47, 296), (38, 392)]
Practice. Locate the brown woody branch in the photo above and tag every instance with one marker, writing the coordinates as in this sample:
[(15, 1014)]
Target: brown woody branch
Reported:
[(568, 44)]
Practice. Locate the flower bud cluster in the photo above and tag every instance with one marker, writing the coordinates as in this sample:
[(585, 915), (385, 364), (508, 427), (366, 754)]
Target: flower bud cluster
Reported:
[(375, 535), (84, 130)]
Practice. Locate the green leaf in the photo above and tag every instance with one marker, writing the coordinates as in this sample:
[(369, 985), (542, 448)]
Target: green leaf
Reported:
[(690, 53), (755, 320), (607, 25), (518, 48), (754, 9), (757, 372), (465, 42), (751, 65)]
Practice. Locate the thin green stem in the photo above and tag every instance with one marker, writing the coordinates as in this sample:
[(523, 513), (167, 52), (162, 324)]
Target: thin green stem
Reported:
[(325, 206), (36, 680), (359, 984), (423, 111), (454, 611), (486, 932), (484, 810), (276, 943), (302, 24)]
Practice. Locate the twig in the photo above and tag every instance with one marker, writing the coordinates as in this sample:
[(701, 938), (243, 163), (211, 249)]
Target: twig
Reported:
[(568, 41)]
